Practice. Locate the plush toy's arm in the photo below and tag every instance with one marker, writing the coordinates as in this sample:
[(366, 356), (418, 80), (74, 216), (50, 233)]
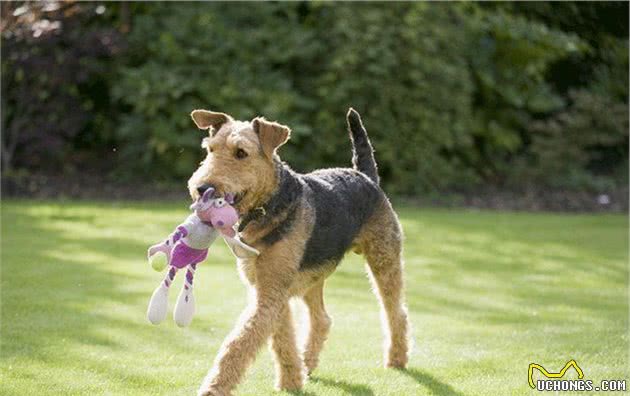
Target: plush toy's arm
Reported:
[(239, 248), (182, 230), (179, 233)]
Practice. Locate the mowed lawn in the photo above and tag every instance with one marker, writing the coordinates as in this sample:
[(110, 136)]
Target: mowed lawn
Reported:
[(488, 293)]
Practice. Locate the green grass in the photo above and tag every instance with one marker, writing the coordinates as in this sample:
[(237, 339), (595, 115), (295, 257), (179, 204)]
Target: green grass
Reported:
[(488, 293)]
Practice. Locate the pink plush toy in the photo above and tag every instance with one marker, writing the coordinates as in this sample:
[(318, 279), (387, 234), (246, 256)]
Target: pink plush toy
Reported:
[(186, 247)]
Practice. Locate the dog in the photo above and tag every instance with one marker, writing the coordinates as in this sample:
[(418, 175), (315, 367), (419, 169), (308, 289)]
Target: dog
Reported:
[(302, 224)]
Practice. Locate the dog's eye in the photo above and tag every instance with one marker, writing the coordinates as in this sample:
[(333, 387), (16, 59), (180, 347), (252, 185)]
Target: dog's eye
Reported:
[(240, 154)]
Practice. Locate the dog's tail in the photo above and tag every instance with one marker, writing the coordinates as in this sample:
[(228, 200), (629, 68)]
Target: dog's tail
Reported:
[(362, 151)]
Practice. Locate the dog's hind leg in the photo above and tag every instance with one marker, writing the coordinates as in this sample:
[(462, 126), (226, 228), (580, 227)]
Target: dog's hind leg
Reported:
[(289, 367), (319, 325), (381, 243)]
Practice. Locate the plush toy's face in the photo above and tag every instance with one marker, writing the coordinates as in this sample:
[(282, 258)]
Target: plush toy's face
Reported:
[(219, 212)]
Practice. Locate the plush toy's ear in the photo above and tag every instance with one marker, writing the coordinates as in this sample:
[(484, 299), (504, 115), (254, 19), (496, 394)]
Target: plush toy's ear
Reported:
[(207, 194), (271, 135), (205, 119)]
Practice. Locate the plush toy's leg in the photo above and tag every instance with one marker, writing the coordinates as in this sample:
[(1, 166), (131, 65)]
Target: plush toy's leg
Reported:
[(239, 248), (185, 307), (158, 305)]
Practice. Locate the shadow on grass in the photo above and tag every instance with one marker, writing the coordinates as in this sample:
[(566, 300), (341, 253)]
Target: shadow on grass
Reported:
[(511, 269), (65, 284), (434, 385), (347, 387)]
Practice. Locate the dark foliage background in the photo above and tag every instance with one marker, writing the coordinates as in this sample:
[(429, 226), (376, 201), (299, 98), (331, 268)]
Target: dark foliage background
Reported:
[(456, 96)]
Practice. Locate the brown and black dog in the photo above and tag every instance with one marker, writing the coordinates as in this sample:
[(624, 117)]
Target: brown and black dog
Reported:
[(302, 224)]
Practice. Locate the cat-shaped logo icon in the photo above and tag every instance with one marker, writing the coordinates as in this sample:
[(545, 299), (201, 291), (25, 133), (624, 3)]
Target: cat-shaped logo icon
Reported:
[(570, 363)]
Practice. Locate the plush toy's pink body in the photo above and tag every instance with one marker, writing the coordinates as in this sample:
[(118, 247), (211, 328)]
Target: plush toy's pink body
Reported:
[(187, 246)]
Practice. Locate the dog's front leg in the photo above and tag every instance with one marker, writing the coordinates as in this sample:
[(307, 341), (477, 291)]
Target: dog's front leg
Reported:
[(289, 367), (240, 348)]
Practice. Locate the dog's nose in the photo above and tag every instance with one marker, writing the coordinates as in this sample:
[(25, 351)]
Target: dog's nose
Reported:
[(202, 188)]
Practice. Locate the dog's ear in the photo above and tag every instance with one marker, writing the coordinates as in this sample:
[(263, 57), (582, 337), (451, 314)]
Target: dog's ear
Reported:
[(205, 119), (271, 135)]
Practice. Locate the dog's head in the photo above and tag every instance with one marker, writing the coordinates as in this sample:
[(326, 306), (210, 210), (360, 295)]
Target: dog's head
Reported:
[(240, 158)]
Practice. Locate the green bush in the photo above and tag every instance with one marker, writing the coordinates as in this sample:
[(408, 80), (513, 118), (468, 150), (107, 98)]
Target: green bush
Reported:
[(592, 160), (56, 67), (235, 58), (454, 95)]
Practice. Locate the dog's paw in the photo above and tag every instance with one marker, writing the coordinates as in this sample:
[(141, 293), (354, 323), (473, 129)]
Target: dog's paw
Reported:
[(311, 365), (290, 386), (397, 361), (212, 392), (291, 381)]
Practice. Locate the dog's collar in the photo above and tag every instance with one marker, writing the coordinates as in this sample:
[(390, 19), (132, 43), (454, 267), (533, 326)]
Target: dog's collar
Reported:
[(289, 189)]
